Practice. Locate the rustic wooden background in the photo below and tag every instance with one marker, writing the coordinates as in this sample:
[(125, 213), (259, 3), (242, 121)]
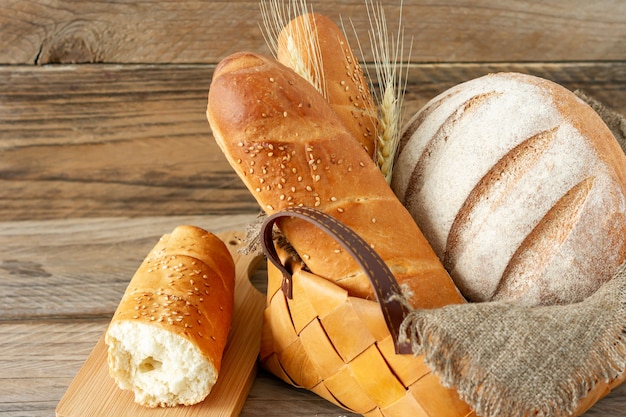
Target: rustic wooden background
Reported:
[(103, 137)]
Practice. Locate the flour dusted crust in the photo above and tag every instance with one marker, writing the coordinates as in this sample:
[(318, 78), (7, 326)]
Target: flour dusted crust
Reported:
[(167, 336), (519, 187)]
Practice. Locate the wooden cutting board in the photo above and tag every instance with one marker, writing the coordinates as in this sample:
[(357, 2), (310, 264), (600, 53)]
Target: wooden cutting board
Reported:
[(93, 392)]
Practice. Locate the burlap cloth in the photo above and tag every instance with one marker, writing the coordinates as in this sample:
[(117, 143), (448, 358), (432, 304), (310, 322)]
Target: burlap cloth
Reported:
[(506, 360)]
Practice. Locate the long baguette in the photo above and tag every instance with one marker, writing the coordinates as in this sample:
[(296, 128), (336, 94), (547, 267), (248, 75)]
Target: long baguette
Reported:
[(291, 149), (167, 336), (314, 44)]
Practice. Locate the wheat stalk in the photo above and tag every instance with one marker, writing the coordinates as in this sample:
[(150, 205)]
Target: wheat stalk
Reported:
[(276, 15), (391, 74)]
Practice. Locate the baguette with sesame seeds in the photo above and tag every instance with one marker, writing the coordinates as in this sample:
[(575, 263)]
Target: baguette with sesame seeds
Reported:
[(291, 149), (167, 336), (320, 48)]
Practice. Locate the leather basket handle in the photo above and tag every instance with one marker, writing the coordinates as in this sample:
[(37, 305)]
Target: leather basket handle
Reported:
[(381, 278)]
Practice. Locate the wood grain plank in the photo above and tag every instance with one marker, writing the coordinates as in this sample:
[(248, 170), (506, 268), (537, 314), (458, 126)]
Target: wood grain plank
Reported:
[(39, 359), (161, 31), (133, 140), (42, 263)]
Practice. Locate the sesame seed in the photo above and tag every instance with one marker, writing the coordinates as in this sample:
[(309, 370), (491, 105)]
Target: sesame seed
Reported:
[(317, 177), (269, 207), (308, 188), (373, 219), (285, 114), (258, 189), (340, 210), (271, 79), (270, 154), (333, 199)]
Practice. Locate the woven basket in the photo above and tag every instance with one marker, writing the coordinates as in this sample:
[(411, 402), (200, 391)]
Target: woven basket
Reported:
[(345, 348)]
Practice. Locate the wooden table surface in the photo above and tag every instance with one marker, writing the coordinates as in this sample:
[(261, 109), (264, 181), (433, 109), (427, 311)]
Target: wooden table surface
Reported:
[(104, 147)]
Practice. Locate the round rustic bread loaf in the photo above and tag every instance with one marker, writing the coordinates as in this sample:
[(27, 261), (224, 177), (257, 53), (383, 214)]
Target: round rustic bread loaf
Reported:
[(520, 188)]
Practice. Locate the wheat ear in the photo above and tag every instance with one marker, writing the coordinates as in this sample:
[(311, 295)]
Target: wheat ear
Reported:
[(391, 74), (276, 14)]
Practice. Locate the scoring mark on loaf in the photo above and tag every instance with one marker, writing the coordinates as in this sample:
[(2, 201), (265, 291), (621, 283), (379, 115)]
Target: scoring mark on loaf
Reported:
[(419, 118), (543, 244), (491, 190), (434, 149)]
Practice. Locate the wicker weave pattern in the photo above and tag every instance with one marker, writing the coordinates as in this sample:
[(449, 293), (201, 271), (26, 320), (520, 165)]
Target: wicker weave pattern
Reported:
[(339, 347)]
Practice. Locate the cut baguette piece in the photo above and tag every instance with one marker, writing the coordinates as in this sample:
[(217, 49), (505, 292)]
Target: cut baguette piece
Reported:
[(167, 336)]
